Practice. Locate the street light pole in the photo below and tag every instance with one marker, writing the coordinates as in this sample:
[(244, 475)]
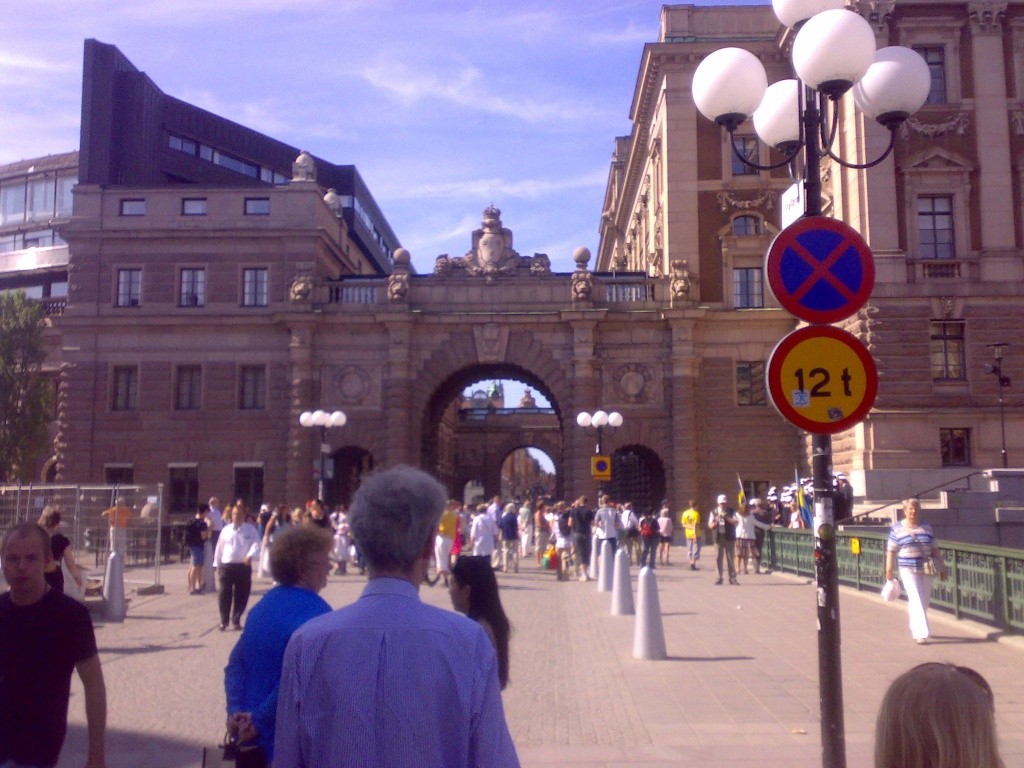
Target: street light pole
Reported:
[(322, 421), (1004, 381), (833, 51), (599, 420)]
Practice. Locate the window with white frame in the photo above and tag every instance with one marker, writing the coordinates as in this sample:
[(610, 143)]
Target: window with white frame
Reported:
[(747, 288), (746, 226), (747, 148), (254, 287), (252, 388), (124, 388), (192, 287), (750, 389), (948, 351), (133, 207), (935, 57), (935, 227), (129, 287), (194, 206), (188, 388)]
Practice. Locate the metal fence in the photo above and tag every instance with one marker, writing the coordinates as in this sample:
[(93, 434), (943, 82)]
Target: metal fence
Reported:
[(151, 540), (985, 584)]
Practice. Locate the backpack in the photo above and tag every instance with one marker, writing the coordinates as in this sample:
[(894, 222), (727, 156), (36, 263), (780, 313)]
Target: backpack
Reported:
[(648, 529)]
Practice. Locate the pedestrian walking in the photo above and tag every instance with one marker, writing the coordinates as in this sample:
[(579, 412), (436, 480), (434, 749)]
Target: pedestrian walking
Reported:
[(912, 548)]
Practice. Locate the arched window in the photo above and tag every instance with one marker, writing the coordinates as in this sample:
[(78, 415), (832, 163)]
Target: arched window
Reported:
[(746, 225)]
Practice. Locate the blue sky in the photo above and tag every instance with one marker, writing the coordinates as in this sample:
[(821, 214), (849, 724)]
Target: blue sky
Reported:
[(445, 107)]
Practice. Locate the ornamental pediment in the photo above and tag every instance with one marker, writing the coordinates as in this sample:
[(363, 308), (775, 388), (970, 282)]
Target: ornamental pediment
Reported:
[(937, 159), (492, 253)]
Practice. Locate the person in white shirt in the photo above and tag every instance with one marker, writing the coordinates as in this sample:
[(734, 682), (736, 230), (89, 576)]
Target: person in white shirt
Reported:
[(607, 522), (237, 547), (482, 532)]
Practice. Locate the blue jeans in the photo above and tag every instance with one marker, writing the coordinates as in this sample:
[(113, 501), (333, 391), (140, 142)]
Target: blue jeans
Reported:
[(649, 553)]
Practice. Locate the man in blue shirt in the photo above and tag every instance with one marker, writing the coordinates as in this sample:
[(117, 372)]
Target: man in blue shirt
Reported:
[(389, 680)]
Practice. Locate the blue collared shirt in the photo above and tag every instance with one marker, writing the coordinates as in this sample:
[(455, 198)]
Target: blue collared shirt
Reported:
[(391, 681)]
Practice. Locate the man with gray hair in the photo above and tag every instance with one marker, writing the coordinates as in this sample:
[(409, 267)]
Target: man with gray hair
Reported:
[(390, 680)]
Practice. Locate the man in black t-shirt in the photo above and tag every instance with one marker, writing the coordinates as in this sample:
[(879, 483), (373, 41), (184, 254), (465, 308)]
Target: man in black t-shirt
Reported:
[(43, 637), (197, 531), (582, 523)]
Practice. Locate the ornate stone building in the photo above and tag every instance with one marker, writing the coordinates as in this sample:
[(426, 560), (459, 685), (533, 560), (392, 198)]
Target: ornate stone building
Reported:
[(944, 216)]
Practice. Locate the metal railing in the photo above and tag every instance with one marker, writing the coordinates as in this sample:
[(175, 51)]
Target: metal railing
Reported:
[(986, 584), (151, 538)]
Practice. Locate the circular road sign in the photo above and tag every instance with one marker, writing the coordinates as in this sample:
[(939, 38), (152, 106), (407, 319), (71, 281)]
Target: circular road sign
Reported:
[(820, 269), (822, 379)]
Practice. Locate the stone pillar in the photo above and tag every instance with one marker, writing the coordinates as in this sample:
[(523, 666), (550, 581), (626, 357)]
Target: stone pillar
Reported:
[(683, 479), (993, 130), (579, 442), (399, 431), (303, 443)]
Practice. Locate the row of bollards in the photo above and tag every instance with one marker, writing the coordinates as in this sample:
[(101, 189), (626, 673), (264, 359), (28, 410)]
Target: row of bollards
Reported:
[(648, 633)]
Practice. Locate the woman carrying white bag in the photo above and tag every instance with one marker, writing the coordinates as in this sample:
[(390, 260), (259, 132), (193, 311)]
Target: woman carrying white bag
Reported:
[(913, 548)]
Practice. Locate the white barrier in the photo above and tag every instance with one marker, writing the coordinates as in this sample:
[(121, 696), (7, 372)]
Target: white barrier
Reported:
[(113, 587), (604, 575), (622, 590), (648, 634)]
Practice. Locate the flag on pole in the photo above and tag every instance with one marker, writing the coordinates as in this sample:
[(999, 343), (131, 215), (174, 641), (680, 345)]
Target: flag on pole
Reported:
[(741, 497), (802, 502)]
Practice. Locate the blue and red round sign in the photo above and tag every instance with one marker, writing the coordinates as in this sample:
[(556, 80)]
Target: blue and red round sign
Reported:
[(820, 269)]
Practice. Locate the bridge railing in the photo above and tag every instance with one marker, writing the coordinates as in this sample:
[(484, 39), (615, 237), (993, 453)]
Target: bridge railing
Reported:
[(985, 584)]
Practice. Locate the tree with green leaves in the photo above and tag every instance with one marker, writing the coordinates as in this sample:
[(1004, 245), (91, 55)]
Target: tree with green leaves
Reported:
[(25, 392)]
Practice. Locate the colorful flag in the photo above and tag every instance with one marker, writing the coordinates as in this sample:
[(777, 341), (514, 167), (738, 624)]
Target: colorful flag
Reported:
[(741, 497), (802, 501)]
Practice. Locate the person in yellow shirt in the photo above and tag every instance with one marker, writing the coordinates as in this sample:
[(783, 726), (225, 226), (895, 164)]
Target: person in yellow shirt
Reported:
[(118, 516), (443, 542), (690, 520)]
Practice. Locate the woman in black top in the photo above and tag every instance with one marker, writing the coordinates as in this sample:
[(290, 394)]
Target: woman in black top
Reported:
[(60, 545)]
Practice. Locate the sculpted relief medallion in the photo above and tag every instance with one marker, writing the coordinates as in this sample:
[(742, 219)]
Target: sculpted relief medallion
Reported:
[(633, 380), (352, 384)]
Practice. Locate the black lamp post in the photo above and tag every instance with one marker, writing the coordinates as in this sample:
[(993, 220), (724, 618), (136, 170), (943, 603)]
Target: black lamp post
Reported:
[(1004, 381), (833, 51), (599, 420), (322, 420)]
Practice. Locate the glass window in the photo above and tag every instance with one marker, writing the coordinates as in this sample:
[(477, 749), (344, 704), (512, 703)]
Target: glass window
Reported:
[(42, 238), (125, 394), (747, 288), (133, 207), (746, 225), (747, 148), (129, 287), (193, 288), (12, 203), (65, 198), (252, 388), (935, 57), (33, 291), (41, 198), (119, 474), (948, 351), (235, 164), (750, 383), (193, 206), (935, 226), (254, 287), (183, 489), (956, 447), (249, 486), (257, 206), (188, 388)]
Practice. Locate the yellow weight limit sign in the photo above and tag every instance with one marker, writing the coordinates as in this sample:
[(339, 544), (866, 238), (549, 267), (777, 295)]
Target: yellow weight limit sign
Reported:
[(822, 379)]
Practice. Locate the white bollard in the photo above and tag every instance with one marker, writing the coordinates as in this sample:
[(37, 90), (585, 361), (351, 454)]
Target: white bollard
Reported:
[(622, 590), (113, 588), (595, 545), (209, 582), (648, 634), (604, 574)]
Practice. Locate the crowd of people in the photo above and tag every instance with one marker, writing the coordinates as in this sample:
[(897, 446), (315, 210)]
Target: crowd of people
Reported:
[(399, 528)]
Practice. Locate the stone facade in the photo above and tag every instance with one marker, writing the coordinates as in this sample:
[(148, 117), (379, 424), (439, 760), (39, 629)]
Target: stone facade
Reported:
[(674, 193)]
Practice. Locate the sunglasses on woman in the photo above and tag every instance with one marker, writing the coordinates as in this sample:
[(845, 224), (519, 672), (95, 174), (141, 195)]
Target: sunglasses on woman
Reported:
[(967, 672)]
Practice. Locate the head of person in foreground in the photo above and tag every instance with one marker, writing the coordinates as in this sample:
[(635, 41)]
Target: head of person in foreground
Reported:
[(300, 557), (937, 715)]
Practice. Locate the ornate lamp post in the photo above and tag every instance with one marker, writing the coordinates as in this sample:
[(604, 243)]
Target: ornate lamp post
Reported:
[(599, 420), (1004, 381), (322, 420), (833, 52)]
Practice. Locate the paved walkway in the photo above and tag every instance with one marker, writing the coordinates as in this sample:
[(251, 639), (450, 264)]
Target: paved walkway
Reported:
[(739, 689)]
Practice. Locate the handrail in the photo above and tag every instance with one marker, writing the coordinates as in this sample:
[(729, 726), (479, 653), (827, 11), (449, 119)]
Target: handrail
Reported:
[(917, 495), (985, 584)]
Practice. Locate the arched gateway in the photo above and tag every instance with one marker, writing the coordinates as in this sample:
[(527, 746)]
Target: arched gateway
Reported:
[(395, 353)]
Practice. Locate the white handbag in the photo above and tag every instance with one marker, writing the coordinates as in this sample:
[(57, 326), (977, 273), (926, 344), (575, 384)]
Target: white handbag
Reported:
[(891, 591)]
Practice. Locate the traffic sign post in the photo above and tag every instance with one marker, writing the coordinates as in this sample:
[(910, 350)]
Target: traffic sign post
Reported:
[(601, 468), (822, 379)]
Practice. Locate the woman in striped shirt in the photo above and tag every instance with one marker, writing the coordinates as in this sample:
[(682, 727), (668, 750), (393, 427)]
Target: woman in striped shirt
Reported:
[(911, 546)]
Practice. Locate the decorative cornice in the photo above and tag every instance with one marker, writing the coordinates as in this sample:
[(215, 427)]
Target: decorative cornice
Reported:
[(726, 199), (986, 16), (959, 123)]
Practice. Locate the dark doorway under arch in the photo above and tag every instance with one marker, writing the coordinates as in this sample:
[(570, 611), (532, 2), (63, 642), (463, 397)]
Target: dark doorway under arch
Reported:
[(637, 476), (350, 464)]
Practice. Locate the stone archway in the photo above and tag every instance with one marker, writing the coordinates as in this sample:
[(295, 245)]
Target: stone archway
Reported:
[(526, 471), (481, 447)]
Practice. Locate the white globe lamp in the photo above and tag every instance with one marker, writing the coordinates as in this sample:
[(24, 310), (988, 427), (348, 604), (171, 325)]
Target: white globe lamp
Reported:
[(777, 120), (833, 50), (728, 86), (895, 86)]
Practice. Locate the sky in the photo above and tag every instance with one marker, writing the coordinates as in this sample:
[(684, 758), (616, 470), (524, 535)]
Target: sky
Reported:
[(444, 107)]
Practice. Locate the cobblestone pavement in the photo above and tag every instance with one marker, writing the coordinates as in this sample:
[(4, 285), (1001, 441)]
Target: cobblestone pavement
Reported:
[(739, 688)]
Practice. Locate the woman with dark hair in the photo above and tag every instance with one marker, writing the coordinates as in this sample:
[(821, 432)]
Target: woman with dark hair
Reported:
[(474, 592), (60, 546)]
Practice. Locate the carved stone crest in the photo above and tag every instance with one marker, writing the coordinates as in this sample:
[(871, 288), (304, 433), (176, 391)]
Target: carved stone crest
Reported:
[(633, 379), (492, 253), (491, 342), (302, 285), (352, 384), (679, 285), (582, 278), (398, 281)]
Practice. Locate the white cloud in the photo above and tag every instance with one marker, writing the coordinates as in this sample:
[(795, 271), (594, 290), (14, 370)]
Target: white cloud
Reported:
[(496, 187)]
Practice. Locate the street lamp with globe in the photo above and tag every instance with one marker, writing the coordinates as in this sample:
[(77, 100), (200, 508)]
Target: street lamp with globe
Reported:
[(323, 421), (833, 53), (599, 420)]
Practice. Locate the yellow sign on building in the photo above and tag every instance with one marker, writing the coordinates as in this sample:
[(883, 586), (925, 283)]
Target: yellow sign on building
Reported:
[(601, 468)]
